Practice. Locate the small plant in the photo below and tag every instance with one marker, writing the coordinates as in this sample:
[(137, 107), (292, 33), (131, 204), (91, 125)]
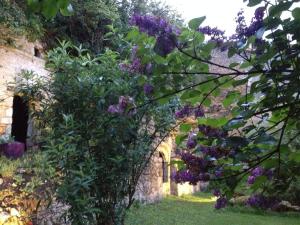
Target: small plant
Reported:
[(5, 139)]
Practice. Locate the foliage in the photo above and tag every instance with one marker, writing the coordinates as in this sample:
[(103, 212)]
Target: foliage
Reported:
[(97, 139), (14, 16), (262, 94), (198, 210), (49, 8), (6, 139), (88, 25)]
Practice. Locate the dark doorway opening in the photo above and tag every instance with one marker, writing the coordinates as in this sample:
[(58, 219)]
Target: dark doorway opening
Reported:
[(165, 174), (20, 119)]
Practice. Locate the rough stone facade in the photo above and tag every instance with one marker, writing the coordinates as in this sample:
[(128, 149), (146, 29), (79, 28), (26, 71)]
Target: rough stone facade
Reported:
[(156, 182), (13, 59)]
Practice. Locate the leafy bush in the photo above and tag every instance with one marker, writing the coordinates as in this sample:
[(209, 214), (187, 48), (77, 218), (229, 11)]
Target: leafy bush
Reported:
[(95, 133)]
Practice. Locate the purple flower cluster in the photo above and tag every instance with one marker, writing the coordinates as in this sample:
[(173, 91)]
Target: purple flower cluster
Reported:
[(125, 103), (152, 25), (157, 27), (221, 202), (196, 169), (192, 141), (213, 151), (216, 192), (214, 33), (188, 110), (260, 201), (13, 150), (259, 171), (135, 66), (148, 89), (242, 30), (212, 132)]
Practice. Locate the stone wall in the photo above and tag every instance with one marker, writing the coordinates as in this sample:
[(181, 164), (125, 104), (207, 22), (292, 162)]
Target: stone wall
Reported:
[(152, 186), (13, 59)]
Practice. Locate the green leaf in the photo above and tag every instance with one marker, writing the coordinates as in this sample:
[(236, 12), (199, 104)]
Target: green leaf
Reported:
[(190, 94), (49, 8), (185, 127), (259, 182), (195, 23), (278, 9), (34, 5), (132, 34), (231, 52), (270, 163), (179, 139), (63, 3), (234, 124), (67, 11), (265, 139), (231, 97), (254, 2), (295, 156), (232, 65), (296, 13)]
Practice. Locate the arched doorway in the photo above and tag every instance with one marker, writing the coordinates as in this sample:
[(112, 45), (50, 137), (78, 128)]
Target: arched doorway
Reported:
[(19, 119), (164, 167)]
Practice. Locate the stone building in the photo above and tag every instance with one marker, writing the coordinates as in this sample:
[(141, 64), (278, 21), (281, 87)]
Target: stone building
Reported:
[(22, 56)]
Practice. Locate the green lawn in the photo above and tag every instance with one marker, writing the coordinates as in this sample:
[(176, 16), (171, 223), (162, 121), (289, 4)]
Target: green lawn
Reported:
[(199, 210)]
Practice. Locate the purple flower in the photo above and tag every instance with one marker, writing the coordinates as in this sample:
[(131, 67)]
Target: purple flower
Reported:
[(219, 173), (165, 44), (149, 68), (152, 25), (214, 33), (258, 171), (191, 142), (123, 67), (259, 13), (123, 104), (199, 112), (114, 109), (148, 89), (260, 201), (216, 192), (211, 132), (14, 150), (251, 180), (184, 112), (204, 177), (221, 203)]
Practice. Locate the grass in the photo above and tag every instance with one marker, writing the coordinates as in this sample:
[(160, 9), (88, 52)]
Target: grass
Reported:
[(199, 210)]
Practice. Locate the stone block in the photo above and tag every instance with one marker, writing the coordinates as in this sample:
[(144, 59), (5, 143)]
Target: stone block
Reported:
[(6, 120), (9, 112), (2, 129)]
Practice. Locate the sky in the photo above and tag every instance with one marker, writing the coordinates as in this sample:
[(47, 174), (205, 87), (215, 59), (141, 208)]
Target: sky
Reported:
[(220, 13)]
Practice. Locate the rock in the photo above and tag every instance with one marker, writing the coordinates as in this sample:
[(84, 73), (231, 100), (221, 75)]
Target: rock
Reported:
[(14, 212), (1, 181), (4, 216), (21, 171), (48, 223), (240, 200), (286, 206)]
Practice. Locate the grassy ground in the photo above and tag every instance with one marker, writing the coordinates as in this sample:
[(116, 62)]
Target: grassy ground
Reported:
[(199, 210)]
